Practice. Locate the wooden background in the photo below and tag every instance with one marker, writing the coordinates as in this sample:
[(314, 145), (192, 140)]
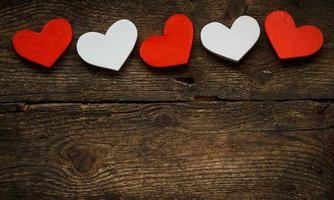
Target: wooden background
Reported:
[(260, 129)]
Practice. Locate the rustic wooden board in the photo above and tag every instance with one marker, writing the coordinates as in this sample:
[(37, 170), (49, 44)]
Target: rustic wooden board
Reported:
[(260, 129), (221, 150), (260, 76)]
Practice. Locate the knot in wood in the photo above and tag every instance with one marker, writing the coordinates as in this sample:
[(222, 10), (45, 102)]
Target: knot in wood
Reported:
[(82, 159), (236, 8), (166, 120)]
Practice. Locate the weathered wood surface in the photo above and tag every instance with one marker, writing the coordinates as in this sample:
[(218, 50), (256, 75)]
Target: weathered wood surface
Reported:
[(260, 129), (236, 150), (260, 76)]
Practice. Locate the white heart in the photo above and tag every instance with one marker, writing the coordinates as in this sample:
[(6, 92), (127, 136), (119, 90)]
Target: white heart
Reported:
[(234, 43), (111, 50)]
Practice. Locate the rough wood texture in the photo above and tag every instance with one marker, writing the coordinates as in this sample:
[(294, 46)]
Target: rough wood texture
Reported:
[(260, 129), (260, 76), (237, 150)]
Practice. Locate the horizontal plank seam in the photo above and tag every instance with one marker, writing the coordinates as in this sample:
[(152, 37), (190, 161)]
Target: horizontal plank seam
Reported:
[(200, 99)]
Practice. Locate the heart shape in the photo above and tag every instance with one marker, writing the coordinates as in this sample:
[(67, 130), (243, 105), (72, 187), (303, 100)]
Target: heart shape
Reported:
[(109, 51), (171, 49), (290, 41), (234, 43), (46, 47)]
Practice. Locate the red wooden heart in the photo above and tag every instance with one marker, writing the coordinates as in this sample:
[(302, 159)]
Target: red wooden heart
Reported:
[(290, 41), (171, 49), (46, 47)]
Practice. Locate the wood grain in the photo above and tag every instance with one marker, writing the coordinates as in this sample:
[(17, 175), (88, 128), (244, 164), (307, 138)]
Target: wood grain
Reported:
[(260, 129), (200, 150), (260, 76)]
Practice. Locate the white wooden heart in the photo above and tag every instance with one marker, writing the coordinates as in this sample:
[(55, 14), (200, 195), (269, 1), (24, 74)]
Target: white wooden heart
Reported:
[(232, 44), (111, 50)]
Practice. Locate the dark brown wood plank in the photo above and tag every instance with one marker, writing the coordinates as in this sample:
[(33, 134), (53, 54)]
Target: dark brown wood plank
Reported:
[(260, 76), (200, 150)]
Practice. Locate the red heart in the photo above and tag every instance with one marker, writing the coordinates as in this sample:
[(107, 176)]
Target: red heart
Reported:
[(171, 49), (290, 41), (46, 47)]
